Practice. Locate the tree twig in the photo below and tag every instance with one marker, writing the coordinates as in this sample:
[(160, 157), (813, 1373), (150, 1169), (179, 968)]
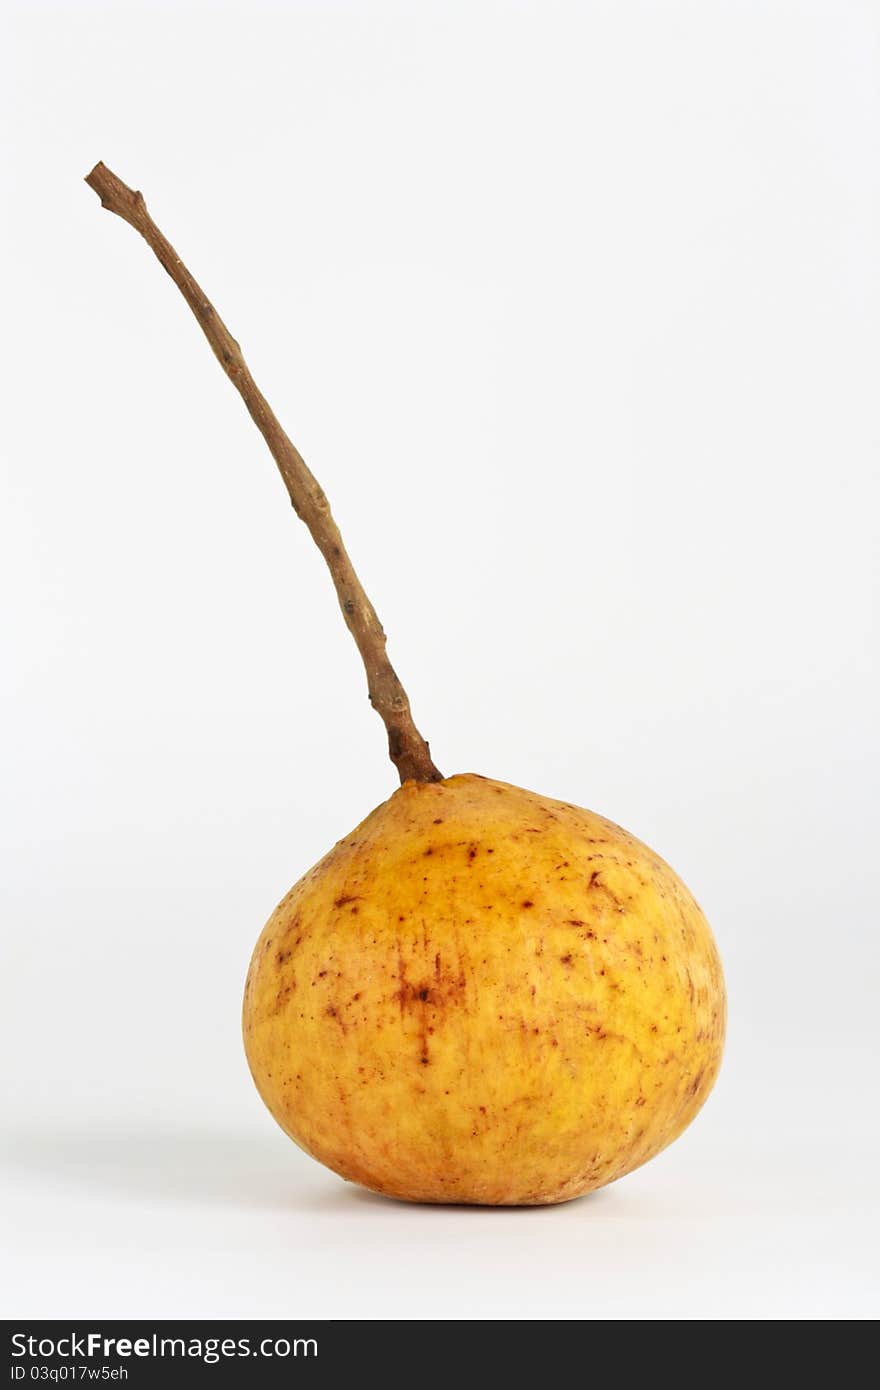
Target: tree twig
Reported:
[(407, 749)]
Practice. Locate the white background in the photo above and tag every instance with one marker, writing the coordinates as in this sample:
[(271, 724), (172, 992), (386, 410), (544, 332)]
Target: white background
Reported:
[(573, 309)]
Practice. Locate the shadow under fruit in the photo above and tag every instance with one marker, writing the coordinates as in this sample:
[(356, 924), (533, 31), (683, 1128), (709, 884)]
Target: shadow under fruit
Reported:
[(481, 995)]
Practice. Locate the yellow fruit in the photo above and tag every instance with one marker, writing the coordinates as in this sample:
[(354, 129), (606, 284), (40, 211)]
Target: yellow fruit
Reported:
[(485, 996), (481, 995)]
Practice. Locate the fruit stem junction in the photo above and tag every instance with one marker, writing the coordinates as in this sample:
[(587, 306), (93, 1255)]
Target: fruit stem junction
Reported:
[(407, 749)]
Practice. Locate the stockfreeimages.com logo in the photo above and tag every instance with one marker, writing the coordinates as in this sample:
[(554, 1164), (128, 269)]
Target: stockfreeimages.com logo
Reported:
[(94, 1345)]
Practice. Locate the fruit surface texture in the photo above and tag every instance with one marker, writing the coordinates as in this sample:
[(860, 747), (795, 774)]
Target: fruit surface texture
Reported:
[(485, 996)]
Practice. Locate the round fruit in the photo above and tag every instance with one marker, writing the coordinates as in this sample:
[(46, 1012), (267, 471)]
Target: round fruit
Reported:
[(481, 995), (485, 996)]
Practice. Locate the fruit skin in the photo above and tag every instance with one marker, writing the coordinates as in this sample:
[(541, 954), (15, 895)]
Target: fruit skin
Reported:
[(485, 996)]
